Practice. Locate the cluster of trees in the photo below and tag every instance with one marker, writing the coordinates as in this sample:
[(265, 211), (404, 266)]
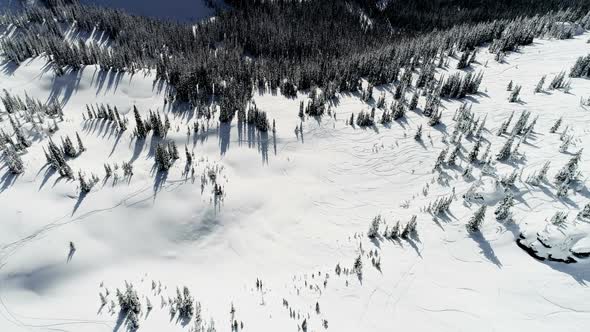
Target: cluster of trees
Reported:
[(395, 232), (153, 123), (568, 174), (107, 113), (56, 155), (130, 305), (458, 86), (582, 67), (256, 118), (440, 205), (288, 44), (559, 82), (166, 154)]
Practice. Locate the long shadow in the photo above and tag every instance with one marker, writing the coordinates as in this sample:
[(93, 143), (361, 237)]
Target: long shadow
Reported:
[(159, 181), (65, 85), (116, 143), (486, 248), (79, 201), (48, 174), (9, 67), (71, 255), (7, 180), (224, 137), (263, 146), (120, 320), (137, 149)]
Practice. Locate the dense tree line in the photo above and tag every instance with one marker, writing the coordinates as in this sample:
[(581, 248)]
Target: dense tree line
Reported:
[(288, 44)]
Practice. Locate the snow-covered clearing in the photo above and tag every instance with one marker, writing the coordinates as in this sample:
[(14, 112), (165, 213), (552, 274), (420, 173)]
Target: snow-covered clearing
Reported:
[(294, 207)]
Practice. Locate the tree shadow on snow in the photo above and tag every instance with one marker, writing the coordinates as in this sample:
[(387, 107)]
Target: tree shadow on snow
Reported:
[(79, 201), (486, 248), (7, 180), (159, 181)]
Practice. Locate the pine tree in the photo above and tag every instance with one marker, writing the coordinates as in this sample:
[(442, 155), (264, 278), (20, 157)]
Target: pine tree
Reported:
[(453, 156), (374, 228), (140, 130), (584, 214), (569, 171), (474, 152), (418, 134), (477, 219), (539, 86), (13, 160), (413, 101), (441, 158), (81, 147), (503, 212), (509, 87), (358, 265), (506, 150), (555, 126), (514, 94)]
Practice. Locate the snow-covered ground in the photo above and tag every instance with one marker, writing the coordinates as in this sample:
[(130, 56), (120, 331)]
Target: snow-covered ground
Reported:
[(295, 206)]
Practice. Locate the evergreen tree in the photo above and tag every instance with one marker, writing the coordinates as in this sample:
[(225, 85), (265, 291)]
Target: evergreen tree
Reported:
[(514, 94), (503, 212), (441, 158), (474, 152), (81, 147), (418, 134), (584, 214), (140, 130), (556, 126), (477, 219), (374, 228), (13, 161), (453, 156), (506, 150), (539, 86), (570, 170)]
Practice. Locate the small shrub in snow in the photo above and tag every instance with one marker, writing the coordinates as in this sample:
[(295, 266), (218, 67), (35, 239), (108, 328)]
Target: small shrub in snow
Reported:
[(559, 218), (585, 213)]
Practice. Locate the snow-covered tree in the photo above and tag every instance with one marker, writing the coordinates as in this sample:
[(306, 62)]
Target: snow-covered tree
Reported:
[(514, 94), (506, 150), (555, 126), (418, 134), (503, 212), (374, 228), (539, 86), (477, 219)]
